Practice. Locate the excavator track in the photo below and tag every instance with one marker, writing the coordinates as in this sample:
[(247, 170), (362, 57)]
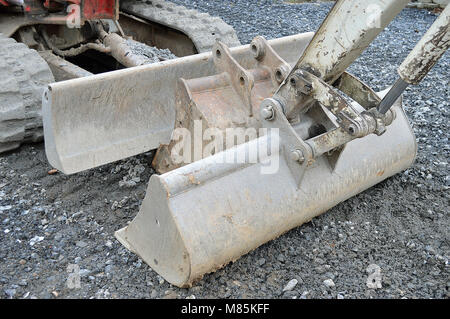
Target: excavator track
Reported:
[(201, 28), (23, 77)]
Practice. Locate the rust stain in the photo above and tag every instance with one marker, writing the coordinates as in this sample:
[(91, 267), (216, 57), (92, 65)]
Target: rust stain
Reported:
[(52, 171), (228, 217), (192, 179), (380, 173)]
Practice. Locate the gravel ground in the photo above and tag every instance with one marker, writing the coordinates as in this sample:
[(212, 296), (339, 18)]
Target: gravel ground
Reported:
[(48, 222)]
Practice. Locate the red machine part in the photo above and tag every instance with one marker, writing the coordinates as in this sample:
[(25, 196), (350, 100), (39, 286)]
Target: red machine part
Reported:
[(52, 5), (90, 9), (99, 9)]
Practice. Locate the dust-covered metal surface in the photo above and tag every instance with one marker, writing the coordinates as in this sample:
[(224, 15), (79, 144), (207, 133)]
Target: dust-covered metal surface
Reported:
[(194, 221), (228, 99), (398, 224), (428, 51), (10, 23), (110, 116), (431, 47), (358, 90), (346, 32), (197, 218), (62, 69)]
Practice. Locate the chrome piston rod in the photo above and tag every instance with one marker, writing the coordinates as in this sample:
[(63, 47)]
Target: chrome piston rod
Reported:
[(421, 60)]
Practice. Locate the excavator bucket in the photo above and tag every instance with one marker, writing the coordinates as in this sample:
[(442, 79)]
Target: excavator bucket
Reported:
[(197, 218), (252, 141), (317, 149)]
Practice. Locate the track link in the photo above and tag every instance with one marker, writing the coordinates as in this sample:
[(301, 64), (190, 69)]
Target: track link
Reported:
[(201, 28), (23, 77)]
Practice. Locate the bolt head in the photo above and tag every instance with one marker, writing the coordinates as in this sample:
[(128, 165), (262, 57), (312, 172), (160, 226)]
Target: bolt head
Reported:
[(267, 113), (297, 156)]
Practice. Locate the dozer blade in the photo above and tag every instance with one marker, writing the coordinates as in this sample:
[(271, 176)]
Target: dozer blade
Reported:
[(197, 218), (99, 119)]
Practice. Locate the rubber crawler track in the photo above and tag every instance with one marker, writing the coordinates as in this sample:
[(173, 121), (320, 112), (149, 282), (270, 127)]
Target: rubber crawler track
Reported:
[(23, 77), (201, 28)]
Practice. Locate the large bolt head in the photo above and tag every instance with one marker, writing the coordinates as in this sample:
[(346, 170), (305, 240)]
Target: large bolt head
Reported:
[(267, 113), (297, 156)]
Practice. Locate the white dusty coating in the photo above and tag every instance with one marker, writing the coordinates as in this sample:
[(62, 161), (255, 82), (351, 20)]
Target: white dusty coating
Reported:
[(354, 27), (24, 76), (428, 50), (198, 218), (397, 225), (114, 115)]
